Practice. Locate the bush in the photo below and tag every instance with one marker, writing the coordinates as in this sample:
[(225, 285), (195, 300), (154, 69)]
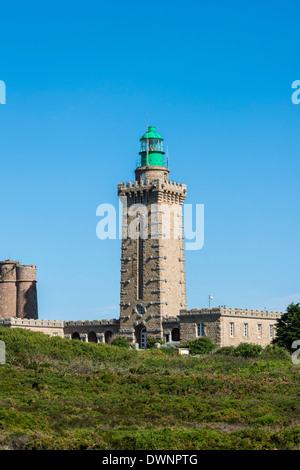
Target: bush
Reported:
[(248, 350), (200, 346), (226, 350), (172, 344), (27, 345), (276, 352), (251, 350), (121, 342), (151, 342), (168, 350)]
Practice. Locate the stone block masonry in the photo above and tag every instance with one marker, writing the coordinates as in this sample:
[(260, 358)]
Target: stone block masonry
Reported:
[(152, 267), (18, 291)]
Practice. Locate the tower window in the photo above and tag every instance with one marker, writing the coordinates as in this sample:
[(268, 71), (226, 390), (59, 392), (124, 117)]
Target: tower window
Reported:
[(231, 329), (140, 309), (140, 274), (246, 330), (200, 329)]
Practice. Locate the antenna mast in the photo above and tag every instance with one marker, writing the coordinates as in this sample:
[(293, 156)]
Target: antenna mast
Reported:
[(147, 141)]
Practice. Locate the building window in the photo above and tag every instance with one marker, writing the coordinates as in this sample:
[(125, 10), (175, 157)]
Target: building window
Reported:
[(231, 329), (259, 330), (246, 330), (271, 331), (140, 309), (175, 334), (140, 263), (200, 329), (55, 334)]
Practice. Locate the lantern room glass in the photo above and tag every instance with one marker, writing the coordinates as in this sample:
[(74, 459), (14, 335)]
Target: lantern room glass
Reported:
[(152, 145)]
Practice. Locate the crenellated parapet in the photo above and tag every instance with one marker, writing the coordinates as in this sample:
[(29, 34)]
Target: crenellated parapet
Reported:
[(153, 190), (50, 327), (104, 322), (234, 312)]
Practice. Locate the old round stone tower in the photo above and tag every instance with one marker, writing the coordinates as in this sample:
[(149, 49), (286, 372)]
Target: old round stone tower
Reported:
[(153, 282), (18, 294)]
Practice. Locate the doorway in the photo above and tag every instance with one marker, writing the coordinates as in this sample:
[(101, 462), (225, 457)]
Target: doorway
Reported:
[(143, 338)]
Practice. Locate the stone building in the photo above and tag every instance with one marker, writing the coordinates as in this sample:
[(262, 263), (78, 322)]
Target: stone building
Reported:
[(153, 285), (18, 294)]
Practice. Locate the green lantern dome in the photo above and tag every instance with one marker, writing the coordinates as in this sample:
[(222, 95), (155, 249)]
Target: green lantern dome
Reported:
[(152, 148)]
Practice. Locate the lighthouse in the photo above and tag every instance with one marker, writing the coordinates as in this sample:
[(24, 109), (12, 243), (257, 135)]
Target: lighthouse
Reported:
[(153, 284)]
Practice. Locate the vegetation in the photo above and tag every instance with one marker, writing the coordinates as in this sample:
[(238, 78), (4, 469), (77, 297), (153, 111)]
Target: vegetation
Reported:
[(121, 342), (288, 327), (254, 350), (62, 394), (151, 341), (201, 345)]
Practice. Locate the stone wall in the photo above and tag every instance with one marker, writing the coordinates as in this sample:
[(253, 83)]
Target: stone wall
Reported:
[(232, 336), (8, 289), (49, 327), (18, 293), (27, 306), (95, 331), (216, 324), (210, 320)]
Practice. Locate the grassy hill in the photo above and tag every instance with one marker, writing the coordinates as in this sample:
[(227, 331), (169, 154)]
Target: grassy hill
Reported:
[(62, 394)]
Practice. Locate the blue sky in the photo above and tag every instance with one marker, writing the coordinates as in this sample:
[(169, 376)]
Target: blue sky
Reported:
[(215, 78)]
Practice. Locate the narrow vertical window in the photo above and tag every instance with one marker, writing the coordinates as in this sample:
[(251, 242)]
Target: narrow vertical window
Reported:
[(231, 329), (140, 259), (259, 330), (200, 329), (246, 330), (271, 331)]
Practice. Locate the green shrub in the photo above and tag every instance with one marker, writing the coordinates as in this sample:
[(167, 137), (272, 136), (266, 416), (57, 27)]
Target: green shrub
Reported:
[(168, 350), (248, 350), (200, 346), (151, 341), (226, 350), (172, 344), (271, 351), (26, 345), (275, 351), (121, 342)]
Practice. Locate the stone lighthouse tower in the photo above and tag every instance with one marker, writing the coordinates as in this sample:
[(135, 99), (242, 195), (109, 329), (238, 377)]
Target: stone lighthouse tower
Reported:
[(153, 283)]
